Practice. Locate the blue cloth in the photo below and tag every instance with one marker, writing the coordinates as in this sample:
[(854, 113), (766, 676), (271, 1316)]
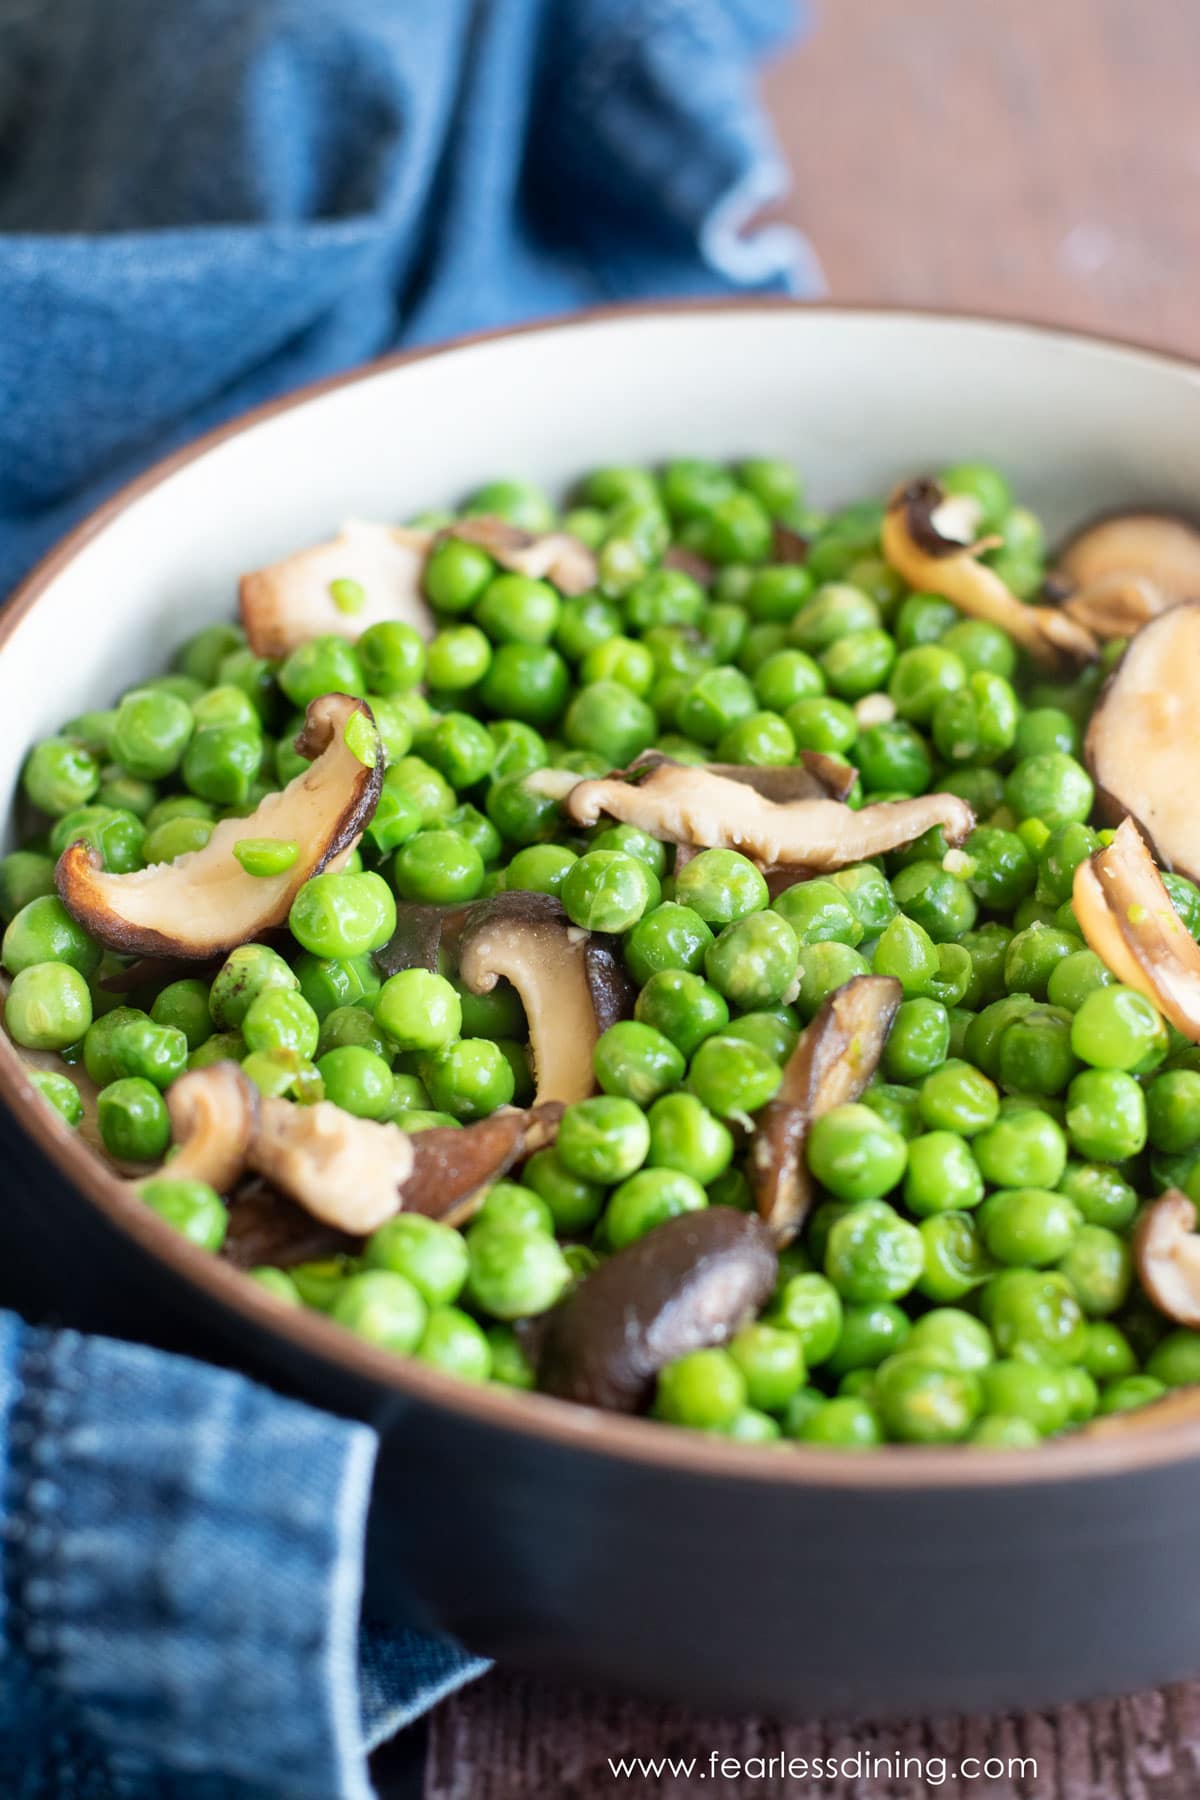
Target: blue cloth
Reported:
[(180, 1580), (201, 205), (204, 204)]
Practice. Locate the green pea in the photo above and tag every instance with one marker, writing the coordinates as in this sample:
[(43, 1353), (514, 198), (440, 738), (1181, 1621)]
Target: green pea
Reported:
[(1050, 786), (958, 1098), (786, 676), (498, 1014), (981, 648), (343, 915), (280, 1019), (460, 748), (1099, 1266), (1130, 1393), (1034, 1314), (753, 961), (1106, 1115), (604, 1139), (647, 1199), (954, 1338), (893, 757), (607, 890), (59, 1092), (328, 982), (150, 733), (731, 1077), (873, 1255), (858, 663), (246, 972), (1173, 1110), (956, 1261), (922, 677), (920, 1402), (869, 1333), (540, 869), (1117, 1028), (634, 1060), (221, 762), (1176, 1360), (44, 931), (918, 1042), (819, 722), (686, 1136), (514, 1273), (669, 936), (897, 1106), (575, 1203), (1025, 1148), (223, 1046), (773, 1030), (60, 774), (192, 1208), (818, 911), (439, 868), (772, 1361), (855, 1154), (1028, 1227), (1034, 1391), (284, 1074), (705, 1390), (823, 969), (133, 1120), (454, 1343), (942, 1175), (48, 1007), (382, 1307), (1107, 1354), (1034, 1054), (25, 875), (683, 1007), (511, 1203), (1100, 1194), (468, 1079), (907, 952)]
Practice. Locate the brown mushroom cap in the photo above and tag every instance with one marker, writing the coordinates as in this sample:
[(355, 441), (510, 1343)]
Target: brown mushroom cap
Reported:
[(1128, 567), (920, 541), (214, 1116), (614, 991), (292, 601), (527, 939), (1166, 1254), (1127, 918), (266, 1227), (422, 931), (688, 805), (553, 556), (831, 1065), (815, 776), (688, 1284), (204, 903), (1141, 741)]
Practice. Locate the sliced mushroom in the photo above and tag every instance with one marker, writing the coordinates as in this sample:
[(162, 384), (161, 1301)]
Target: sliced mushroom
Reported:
[(214, 1116), (204, 902), (1127, 918), (353, 1174), (266, 1228), (688, 1284), (1129, 567), (690, 562), (693, 806), (831, 1065), (815, 777), (927, 540), (788, 546), (1166, 1254), (298, 599), (612, 987), (1142, 746), (528, 939), (453, 1166), (553, 556), (421, 934)]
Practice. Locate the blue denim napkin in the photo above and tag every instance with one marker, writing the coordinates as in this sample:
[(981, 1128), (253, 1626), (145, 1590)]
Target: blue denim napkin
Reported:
[(203, 204), (180, 1581)]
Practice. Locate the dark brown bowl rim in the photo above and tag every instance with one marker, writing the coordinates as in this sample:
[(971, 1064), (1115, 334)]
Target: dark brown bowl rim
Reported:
[(555, 1422)]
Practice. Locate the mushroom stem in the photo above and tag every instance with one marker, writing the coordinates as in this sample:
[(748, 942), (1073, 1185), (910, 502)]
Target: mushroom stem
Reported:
[(916, 542), (214, 1117), (527, 939)]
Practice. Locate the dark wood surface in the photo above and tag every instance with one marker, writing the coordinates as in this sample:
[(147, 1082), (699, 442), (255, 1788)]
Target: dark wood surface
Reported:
[(1036, 157)]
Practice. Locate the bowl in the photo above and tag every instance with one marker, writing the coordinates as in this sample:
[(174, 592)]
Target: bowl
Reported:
[(585, 1545)]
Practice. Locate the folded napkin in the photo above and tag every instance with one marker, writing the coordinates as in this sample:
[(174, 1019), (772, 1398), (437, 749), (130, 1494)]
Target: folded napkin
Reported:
[(205, 204), (202, 205)]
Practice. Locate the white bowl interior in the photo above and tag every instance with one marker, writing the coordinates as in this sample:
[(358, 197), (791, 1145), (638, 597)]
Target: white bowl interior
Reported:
[(857, 399)]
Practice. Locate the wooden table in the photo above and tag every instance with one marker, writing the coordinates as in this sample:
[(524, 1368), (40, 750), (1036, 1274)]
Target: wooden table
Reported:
[(1037, 157)]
